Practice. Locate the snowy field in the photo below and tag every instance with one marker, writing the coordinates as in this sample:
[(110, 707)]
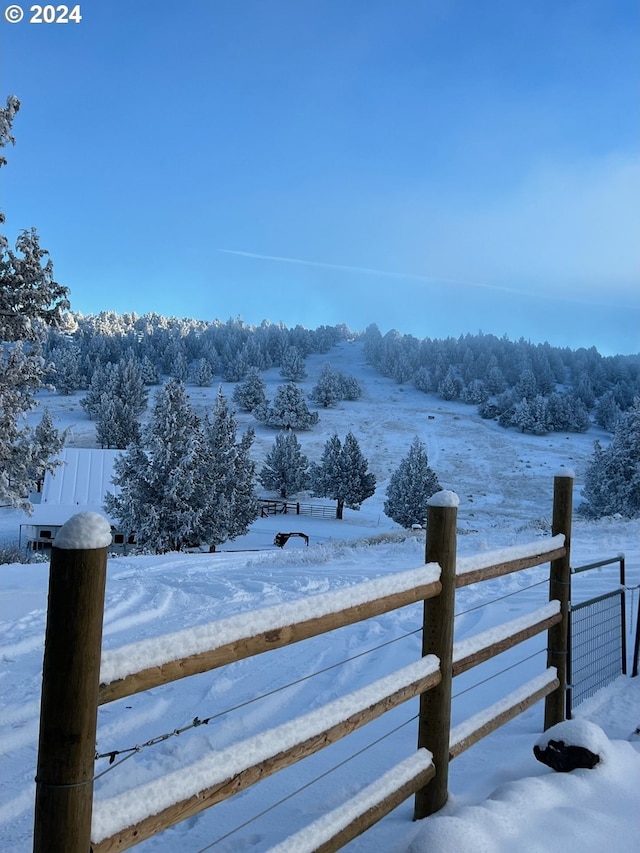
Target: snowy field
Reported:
[(501, 799)]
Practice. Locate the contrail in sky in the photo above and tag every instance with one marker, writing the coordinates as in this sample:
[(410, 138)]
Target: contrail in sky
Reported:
[(369, 271), (553, 296)]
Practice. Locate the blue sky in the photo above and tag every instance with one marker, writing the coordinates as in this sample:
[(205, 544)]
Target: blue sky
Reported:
[(433, 166)]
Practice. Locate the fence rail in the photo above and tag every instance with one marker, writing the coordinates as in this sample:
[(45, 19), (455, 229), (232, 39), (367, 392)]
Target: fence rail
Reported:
[(227, 772)]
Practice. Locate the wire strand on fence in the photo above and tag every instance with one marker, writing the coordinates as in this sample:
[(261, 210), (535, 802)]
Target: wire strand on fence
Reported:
[(307, 785), (500, 598), (129, 752), (500, 672)]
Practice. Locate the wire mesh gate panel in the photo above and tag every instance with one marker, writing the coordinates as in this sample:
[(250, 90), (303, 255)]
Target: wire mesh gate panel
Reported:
[(597, 646)]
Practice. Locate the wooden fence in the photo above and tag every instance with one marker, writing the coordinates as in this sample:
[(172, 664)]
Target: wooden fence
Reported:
[(269, 507), (71, 691)]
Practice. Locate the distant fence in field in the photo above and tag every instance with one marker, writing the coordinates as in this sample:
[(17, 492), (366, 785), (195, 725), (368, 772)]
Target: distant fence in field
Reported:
[(71, 690), (270, 507)]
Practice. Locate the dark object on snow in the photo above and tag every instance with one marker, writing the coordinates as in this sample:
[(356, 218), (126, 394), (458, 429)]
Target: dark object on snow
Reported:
[(282, 538), (563, 758)]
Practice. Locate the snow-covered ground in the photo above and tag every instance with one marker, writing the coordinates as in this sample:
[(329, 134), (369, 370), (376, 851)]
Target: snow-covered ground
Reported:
[(501, 798)]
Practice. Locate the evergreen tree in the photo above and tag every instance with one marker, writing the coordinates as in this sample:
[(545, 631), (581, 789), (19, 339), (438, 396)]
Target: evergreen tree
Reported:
[(226, 482), (179, 367), (289, 410), (612, 480), (47, 442), (123, 381), (607, 411), (103, 381), (185, 482), (158, 477), (359, 483), (350, 387), (410, 487), (203, 373), (130, 384), (30, 301), (245, 502), (527, 387), (250, 393), (567, 413), (64, 369), (450, 386), (235, 364), (475, 393), (292, 367), (149, 371), (286, 467), (423, 380), (342, 474), (333, 385), (327, 390), (116, 422)]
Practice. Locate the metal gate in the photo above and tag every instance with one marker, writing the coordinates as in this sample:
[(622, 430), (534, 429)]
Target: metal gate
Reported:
[(597, 643)]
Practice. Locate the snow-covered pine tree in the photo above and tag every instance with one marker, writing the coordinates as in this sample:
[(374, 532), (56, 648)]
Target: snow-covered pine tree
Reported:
[(350, 387), (227, 474), (103, 381), (607, 411), (326, 476), (423, 380), (116, 422), (30, 301), (410, 487), (63, 368), (179, 367), (286, 467), (450, 386), (150, 373), (250, 393), (235, 364), (327, 390), (124, 380), (475, 392), (159, 477), (289, 410), (612, 480), (47, 441), (203, 374), (342, 475), (130, 384), (245, 502), (359, 482), (333, 385), (292, 367)]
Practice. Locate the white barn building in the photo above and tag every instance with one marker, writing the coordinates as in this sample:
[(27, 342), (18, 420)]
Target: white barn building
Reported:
[(78, 484)]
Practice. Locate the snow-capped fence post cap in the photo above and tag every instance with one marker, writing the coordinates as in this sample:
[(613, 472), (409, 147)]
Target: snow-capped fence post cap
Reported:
[(566, 472), (84, 531), (444, 497)]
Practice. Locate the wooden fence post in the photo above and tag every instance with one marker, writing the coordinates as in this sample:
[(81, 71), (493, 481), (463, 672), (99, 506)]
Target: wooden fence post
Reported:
[(437, 639), (560, 590), (70, 681)]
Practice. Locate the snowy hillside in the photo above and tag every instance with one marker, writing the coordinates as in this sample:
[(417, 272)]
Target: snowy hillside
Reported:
[(502, 799)]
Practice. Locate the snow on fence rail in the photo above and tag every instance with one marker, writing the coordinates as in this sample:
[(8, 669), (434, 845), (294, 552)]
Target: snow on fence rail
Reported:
[(74, 684)]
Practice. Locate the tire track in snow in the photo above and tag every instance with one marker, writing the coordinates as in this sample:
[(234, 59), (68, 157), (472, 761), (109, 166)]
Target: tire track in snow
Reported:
[(146, 615)]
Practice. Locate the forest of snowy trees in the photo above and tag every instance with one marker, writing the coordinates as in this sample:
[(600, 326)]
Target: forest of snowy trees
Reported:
[(114, 360)]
